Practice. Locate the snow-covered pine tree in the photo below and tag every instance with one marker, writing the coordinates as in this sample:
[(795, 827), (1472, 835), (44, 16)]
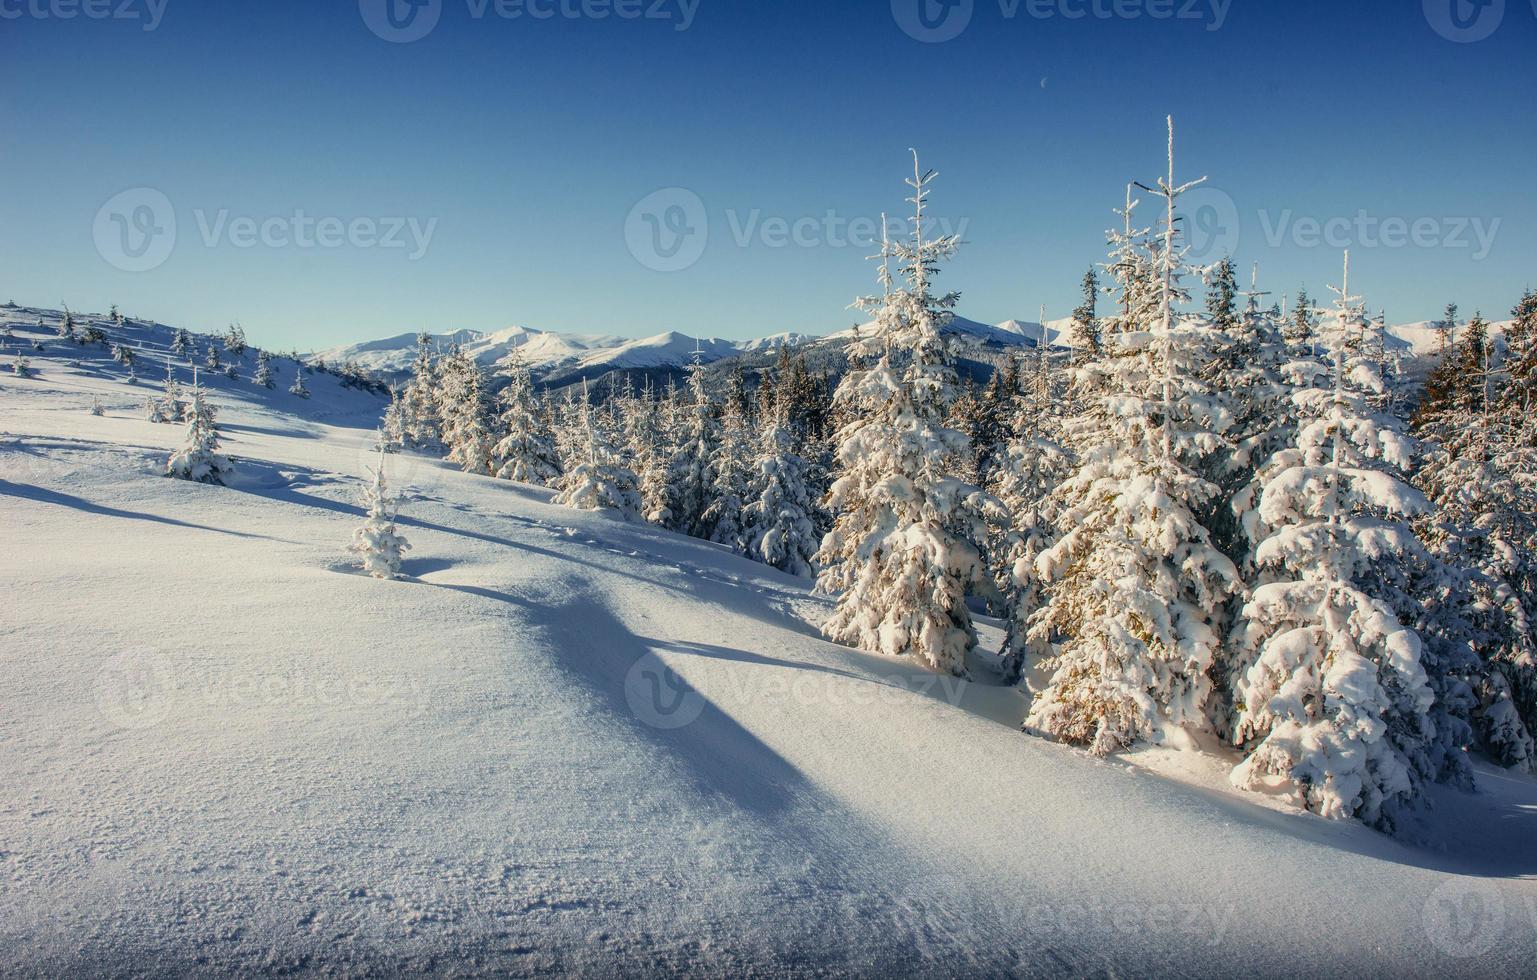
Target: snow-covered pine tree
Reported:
[(234, 340), (299, 388), (181, 345), (1031, 467), (67, 326), (1301, 330), (211, 359), (904, 551), (378, 543), (780, 528), (1086, 328), (1222, 295), (419, 422), (1133, 279), (731, 470), (115, 316), (597, 479), (1136, 584), (168, 407), (264, 375), (1478, 469), (199, 458), (1335, 702), (526, 452), (692, 469), (19, 366), (465, 412), (123, 354)]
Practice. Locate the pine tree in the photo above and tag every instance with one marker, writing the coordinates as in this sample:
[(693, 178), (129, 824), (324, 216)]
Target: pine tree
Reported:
[(1131, 271), (780, 528), (1302, 329), (465, 412), (378, 543), (1136, 584), (234, 340), (904, 550), (211, 360), (419, 422), (181, 345), (731, 469), (1222, 296), (19, 366), (596, 479), (691, 471), (115, 316), (1446, 329), (1086, 327), (1334, 700), (1477, 469), (526, 452), (264, 375), (168, 407), (299, 387), (1031, 467), (199, 459), (123, 354)]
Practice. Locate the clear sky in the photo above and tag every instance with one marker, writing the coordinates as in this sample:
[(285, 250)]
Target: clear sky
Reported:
[(501, 168)]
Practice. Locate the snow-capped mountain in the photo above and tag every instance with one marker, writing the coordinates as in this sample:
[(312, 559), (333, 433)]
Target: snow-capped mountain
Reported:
[(560, 357), (553, 355)]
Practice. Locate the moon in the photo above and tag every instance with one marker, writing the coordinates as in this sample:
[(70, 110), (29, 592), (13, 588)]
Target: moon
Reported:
[(1043, 83)]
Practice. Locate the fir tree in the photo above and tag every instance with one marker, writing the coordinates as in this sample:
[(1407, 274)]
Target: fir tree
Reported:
[(1222, 296), (904, 550), (596, 479), (465, 410), (199, 459), (181, 345), (234, 340), (1334, 700), (378, 543), (1086, 328), (526, 452), (692, 469), (1136, 584), (731, 470), (780, 528), (264, 375), (299, 387)]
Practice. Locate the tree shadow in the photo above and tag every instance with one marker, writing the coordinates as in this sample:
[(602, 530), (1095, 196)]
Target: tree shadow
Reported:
[(46, 496)]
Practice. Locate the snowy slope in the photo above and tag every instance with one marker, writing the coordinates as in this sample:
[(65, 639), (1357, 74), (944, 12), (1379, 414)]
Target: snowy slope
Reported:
[(570, 744)]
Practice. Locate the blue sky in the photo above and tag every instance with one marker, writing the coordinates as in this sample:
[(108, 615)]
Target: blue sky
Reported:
[(512, 153)]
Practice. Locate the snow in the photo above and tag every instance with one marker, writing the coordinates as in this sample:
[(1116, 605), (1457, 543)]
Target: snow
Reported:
[(545, 352), (567, 743)]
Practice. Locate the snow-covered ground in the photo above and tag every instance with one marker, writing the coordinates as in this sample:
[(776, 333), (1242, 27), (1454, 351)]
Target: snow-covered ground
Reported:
[(570, 744)]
